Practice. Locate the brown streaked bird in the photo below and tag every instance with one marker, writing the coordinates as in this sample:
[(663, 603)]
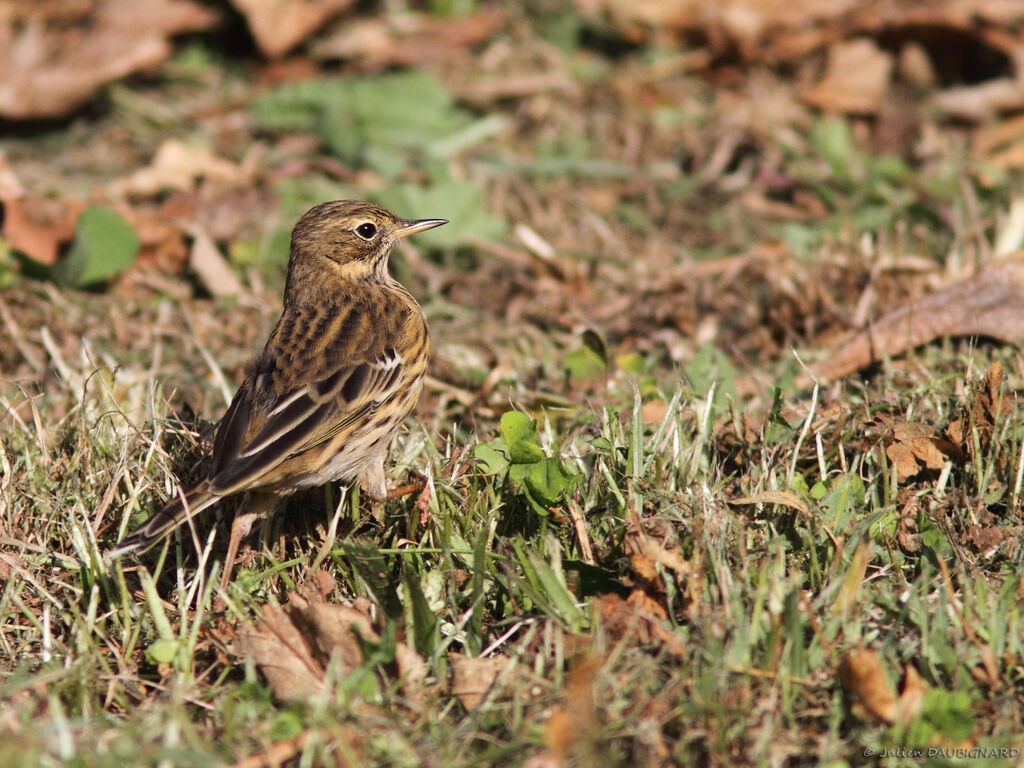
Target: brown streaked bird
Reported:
[(341, 370)]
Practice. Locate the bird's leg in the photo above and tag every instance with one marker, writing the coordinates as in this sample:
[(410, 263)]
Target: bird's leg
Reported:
[(372, 478), (257, 505), (376, 487)]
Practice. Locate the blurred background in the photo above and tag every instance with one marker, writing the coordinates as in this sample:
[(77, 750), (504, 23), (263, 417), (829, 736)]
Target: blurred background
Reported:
[(647, 538), (669, 174)]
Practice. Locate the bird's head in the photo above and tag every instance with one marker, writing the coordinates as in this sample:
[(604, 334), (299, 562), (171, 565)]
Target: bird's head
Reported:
[(355, 236)]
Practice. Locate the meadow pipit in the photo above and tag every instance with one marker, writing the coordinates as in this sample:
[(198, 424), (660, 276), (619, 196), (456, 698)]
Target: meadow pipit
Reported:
[(341, 370)]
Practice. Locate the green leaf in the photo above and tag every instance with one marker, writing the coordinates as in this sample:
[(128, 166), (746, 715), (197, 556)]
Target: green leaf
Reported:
[(104, 245), (778, 431), (799, 484), (933, 538), (833, 138), (287, 725), (474, 636), (546, 588), (385, 122), (525, 452), (424, 622), (843, 501), (548, 480), (631, 362), (163, 651), (516, 426), (491, 460), (584, 364), (946, 717), (593, 341)]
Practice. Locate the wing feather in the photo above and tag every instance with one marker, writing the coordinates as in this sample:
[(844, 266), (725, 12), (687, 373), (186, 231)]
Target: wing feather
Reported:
[(299, 420)]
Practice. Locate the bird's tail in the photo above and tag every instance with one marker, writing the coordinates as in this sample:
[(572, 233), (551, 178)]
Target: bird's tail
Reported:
[(174, 513)]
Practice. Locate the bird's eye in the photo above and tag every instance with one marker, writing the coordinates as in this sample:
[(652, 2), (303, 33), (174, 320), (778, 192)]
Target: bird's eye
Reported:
[(366, 231)]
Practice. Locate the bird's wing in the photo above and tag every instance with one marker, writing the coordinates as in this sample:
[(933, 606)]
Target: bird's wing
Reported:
[(258, 433)]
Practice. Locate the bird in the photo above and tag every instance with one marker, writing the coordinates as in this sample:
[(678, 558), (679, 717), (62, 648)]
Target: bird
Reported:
[(341, 370)]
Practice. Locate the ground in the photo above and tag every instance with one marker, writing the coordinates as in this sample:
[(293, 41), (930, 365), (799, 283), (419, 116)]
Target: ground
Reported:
[(665, 521)]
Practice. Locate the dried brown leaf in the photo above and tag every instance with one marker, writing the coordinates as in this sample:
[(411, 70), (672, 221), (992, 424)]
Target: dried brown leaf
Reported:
[(917, 446), (294, 645), (408, 39), (856, 78), (989, 304), (473, 679), (782, 498), (907, 535), (643, 566), (39, 226), (979, 416), (639, 616), (279, 26), (901, 457), (212, 269), (284, 655), (982, 101), (179, 167), (861, 672), (49, 69), (577, 720), (911, 697)]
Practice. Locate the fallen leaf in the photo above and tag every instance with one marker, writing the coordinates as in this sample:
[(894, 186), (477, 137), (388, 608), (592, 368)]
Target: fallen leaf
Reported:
[(856, 78), (916, 447), (10, 184), (638, 617), (985, 540), (473, 679), (576, 722), (39, 226), (283, 654), (163, 246), (49, 67), (782, 498), (643, 566), (860, 671), (213, 270), (911, 699), (279, 26), (983, 101), (991, 303), (408, 39), (908, 536), (179, 167), (977, 419), (654, 411), (294, 645)]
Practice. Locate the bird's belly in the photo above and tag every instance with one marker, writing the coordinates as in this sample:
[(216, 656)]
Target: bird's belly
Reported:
[(344, 465), (352, 456)]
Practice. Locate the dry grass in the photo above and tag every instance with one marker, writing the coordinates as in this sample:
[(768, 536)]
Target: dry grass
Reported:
[(732, 540)]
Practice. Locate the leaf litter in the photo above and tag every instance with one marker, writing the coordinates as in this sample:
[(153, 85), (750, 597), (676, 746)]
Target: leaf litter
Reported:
[(730, 251)]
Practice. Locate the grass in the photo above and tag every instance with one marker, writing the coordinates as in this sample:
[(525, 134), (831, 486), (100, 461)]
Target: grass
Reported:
[(648, 538), (696, 619)]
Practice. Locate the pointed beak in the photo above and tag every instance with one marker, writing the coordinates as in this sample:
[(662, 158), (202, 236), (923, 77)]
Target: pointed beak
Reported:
[(411, 227)]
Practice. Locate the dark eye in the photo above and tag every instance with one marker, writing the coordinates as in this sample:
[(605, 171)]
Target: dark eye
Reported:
[(366, 231)]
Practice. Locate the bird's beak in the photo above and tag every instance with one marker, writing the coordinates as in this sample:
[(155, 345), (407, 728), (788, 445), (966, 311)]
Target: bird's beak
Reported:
[(411, 227)]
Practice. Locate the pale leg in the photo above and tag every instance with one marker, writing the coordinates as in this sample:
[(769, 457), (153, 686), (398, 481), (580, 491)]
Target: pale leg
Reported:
[(258, 504), (376, 487), (372, 478)]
